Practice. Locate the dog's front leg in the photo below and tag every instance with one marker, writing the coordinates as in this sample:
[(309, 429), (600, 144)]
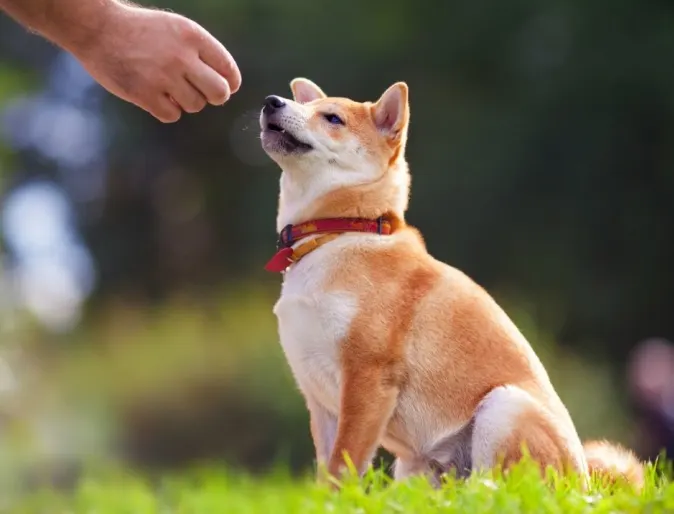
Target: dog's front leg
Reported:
[(368, 400), (323, 426)]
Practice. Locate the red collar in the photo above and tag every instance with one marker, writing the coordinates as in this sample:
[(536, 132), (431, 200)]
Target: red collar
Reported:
[(291, 234)]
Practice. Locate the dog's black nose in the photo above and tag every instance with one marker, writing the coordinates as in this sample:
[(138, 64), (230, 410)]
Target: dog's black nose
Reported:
[(273, 103)]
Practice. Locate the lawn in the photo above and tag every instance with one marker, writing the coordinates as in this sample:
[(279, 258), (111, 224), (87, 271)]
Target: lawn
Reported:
[(215, 491)]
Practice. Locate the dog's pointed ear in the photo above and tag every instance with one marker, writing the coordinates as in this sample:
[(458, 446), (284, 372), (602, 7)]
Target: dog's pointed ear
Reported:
[(392, 112), (305, 91)]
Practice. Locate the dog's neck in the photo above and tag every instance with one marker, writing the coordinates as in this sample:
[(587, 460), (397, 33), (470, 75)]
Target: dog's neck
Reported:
[(313, 196)]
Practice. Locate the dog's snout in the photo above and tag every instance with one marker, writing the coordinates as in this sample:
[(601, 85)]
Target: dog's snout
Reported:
[(273, 103)]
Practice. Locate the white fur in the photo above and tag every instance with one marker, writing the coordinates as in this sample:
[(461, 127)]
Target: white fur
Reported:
[(497, 416), (312, 323), (311, 326), (330, 166), (325, 423), (305, 91), (298, 190)]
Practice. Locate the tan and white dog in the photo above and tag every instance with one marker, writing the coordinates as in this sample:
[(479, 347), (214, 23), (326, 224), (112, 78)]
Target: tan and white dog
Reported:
[(389, 346)]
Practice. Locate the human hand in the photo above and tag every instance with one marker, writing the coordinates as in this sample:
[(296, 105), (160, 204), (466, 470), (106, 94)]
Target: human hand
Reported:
[(162, 62)]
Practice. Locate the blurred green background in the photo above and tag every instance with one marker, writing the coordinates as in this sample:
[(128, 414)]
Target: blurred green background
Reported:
[(135, 318)]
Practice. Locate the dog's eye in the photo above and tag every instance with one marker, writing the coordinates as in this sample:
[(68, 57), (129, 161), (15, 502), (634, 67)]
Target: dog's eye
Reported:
[(334, 119)]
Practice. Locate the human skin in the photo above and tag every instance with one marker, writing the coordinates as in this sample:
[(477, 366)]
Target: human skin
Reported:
[(159, 61)]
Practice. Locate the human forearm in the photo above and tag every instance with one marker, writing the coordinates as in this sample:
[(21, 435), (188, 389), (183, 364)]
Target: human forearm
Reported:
[(67, 23), (160, 61)]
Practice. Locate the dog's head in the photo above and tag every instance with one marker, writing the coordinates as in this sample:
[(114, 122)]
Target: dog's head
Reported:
[(314, 129), (325, 145)]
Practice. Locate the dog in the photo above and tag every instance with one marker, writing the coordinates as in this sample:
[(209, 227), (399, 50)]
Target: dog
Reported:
[(389, 346)]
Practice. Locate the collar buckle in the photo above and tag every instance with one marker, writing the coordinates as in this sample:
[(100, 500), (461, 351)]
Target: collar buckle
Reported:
[(285, 237)]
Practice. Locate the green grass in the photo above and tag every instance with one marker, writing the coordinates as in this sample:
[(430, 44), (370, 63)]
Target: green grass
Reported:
[(212, 491)]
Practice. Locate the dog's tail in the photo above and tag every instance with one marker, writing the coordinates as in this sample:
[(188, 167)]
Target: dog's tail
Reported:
[(612, 463)]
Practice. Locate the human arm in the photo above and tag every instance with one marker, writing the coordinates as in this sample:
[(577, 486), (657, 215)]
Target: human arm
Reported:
[(159, 61)]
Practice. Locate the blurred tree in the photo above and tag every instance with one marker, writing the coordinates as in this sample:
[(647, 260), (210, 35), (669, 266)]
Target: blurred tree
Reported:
[(542, 154), (541, 148)]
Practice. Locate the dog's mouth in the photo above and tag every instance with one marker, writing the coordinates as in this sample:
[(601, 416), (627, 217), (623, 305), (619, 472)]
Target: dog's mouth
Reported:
[(285, 139)]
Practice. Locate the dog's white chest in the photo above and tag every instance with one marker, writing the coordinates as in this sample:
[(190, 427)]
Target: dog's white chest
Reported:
[(312, 326)]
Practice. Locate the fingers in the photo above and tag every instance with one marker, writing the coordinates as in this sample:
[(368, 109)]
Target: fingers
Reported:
[(210, 83), (217, 57), (187, 96), (191, 93), (165, 109), (186, 73)]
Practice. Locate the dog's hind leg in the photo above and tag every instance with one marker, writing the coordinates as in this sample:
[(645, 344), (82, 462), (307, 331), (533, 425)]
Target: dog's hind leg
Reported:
[(509, 417)]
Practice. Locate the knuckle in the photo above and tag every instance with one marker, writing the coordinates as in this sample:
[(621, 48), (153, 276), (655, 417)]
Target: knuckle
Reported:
[(187, 31), (176, 62), (165, 82)]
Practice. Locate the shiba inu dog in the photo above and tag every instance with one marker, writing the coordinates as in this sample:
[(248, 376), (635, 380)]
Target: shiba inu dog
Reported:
[(389, 346)]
